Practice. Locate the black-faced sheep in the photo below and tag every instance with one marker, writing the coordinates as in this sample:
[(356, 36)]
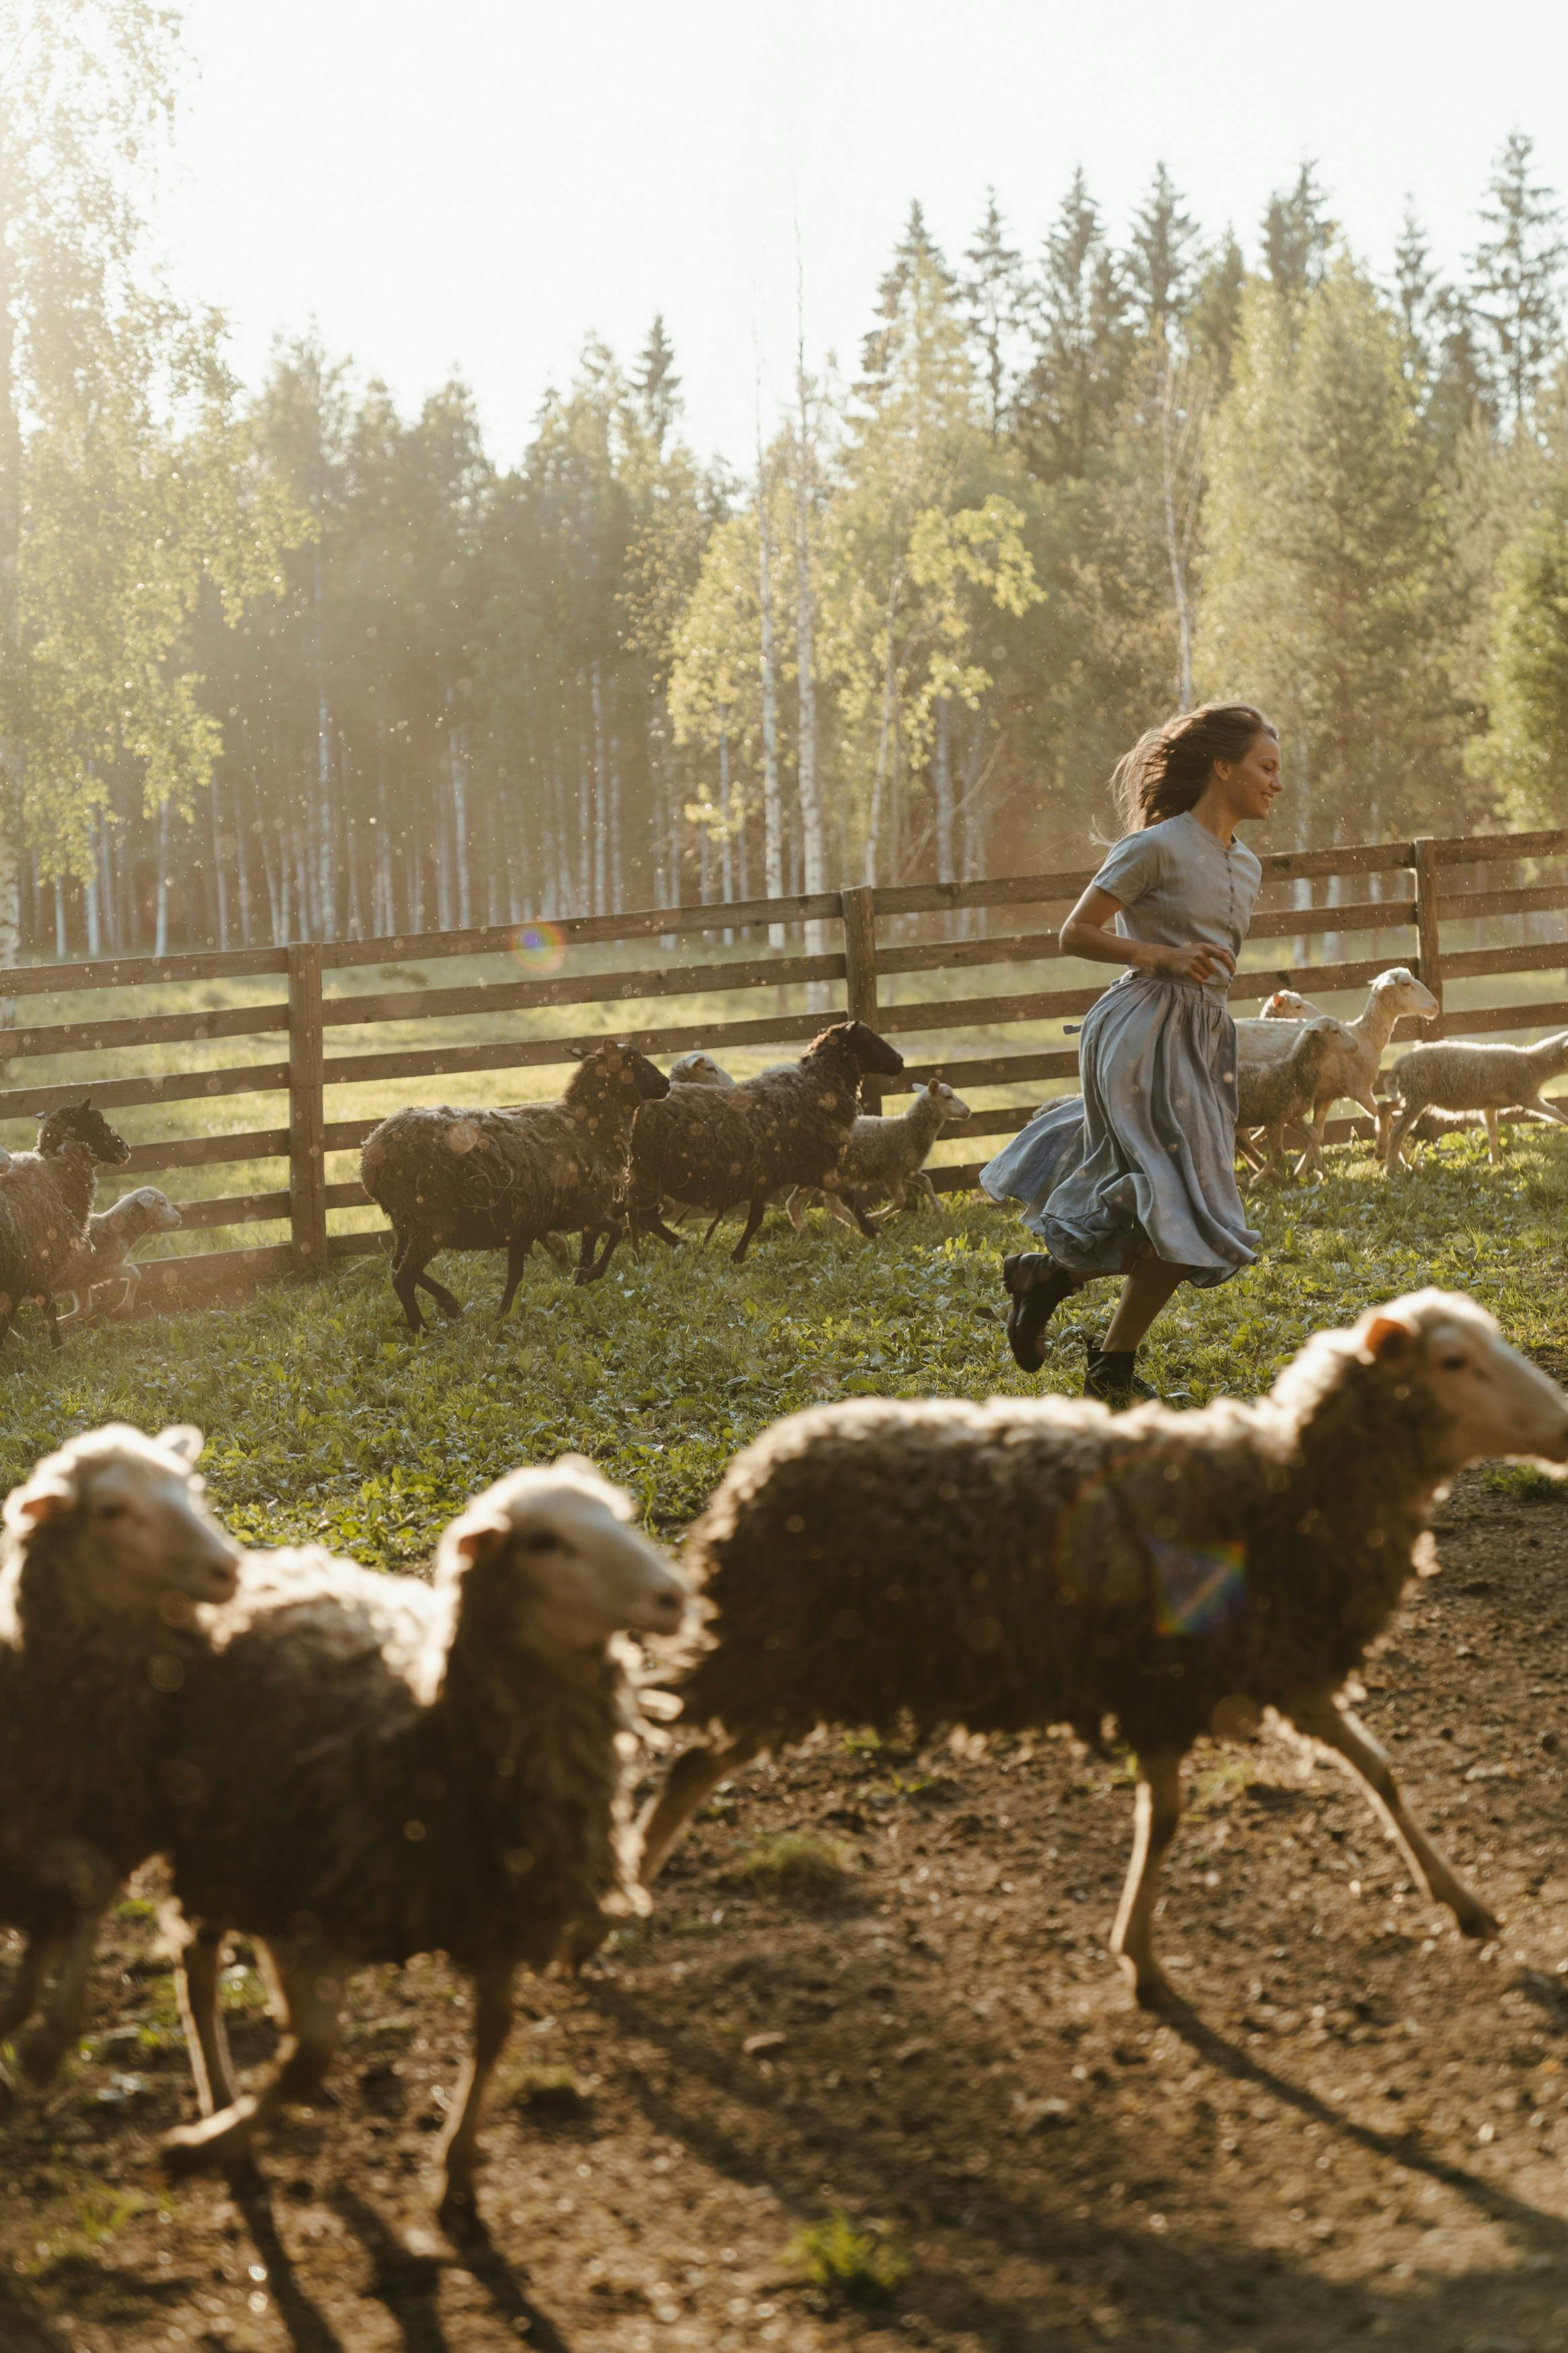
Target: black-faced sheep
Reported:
[(488, 1180), (105, 1257), (717, 1147), (368, 1774), (885, 1157), (1463, 1074), (1024, 1563), (46, 1198), (107, 1550)]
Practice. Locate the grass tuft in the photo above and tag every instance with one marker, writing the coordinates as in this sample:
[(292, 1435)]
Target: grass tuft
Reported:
[(552, 2094), (865, 2266), (800, 1864)]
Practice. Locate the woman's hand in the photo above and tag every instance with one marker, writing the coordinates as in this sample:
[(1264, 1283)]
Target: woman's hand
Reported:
[(1203, 962)]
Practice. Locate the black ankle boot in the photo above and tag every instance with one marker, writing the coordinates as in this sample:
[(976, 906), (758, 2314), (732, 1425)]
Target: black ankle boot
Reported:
[(1110, 1376), (1036, 1286)]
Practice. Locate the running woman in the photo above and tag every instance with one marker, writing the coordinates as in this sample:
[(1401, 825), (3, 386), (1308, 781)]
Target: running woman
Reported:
[(1145, 1185)]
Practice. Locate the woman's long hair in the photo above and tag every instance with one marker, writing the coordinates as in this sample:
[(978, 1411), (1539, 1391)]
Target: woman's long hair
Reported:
[(1166, 770)]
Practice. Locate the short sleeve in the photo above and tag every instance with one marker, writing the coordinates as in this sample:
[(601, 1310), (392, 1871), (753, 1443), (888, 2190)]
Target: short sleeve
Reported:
[(1133, 868)]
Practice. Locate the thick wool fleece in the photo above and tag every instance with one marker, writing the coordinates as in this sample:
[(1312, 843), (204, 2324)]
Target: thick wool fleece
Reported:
[(46, 1197), (1019, 1563)]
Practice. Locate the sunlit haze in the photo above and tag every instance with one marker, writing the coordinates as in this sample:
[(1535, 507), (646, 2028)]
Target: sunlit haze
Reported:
[(478, 187)]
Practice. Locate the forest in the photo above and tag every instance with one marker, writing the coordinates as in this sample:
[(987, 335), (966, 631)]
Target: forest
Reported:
[(279, 662)]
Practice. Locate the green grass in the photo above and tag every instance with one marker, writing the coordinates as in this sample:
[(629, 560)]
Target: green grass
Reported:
[(863, 2265), (326, 1419), (801, 1865)]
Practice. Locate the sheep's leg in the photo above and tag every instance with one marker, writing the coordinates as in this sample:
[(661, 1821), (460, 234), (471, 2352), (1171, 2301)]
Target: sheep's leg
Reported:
[(59, 2028), (22, 2000), (1157, 1811), (1403, 1122), (450, 1305), (557, 1249), (1322, 1719), (754, 1216), (928, 1191), (689, 1783), (52, 1315), (307, 1987), (796, 1203), (405, 1276), (666, 1234), (1494, 1143), (492, 2024), (519, 1243), (615, 1236), (1547, 1106), (206, 2044)]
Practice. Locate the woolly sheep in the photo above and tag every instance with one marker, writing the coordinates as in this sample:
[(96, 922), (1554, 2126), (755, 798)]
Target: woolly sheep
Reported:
[(105, 1257), (1028, 1562), (1463, 1074), (368, 1772), (106, 1551), (699, 1070), (1280, 1093), (1393, 993), (487, 1180), (884, 1156), (717, 1147), (46, 1197)]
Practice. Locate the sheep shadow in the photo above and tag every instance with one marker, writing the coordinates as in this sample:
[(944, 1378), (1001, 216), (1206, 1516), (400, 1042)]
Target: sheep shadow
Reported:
[(310, 2330), (406, 2280)]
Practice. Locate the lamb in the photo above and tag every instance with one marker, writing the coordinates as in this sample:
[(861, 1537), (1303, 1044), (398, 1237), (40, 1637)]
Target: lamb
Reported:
[(717, 1147), (106, 1552), (1394, 992), (370, 1770), (1024, 1562), (885, 1157), (699, 1070), (105, 1257), (1280, 1093), (488, 1180), (46, 1197), (1464, 1074)]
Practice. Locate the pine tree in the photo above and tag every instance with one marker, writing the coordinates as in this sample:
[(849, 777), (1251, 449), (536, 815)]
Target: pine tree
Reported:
[(995, 302), (917, 258), (1524, 754), (1516, 272), (1214, 310), (1159, 258), (1297, 235), (1415, 289), (1082, 343), (656, 386)]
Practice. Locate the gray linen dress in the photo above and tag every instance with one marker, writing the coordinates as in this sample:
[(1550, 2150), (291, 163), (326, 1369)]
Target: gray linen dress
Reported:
[(1145, 1159)]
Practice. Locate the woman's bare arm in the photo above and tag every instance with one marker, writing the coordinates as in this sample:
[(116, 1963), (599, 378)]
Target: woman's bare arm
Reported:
[(1087, 933)]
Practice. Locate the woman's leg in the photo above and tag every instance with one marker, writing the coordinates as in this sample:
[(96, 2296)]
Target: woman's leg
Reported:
[(1147, 1289)]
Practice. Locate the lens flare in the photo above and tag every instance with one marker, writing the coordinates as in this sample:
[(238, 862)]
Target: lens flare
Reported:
[(1197, 1587), (539, 947)]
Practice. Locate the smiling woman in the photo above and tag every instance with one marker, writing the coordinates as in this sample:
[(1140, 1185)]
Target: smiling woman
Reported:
[(1139, 1179)]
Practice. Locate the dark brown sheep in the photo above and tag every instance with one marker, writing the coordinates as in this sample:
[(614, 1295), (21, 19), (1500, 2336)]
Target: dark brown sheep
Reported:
[(490, 1180), (1025, 1563), (718, 1147), (46, 1199)]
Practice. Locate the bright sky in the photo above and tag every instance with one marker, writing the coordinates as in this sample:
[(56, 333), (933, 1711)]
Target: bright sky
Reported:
[(478, 185)]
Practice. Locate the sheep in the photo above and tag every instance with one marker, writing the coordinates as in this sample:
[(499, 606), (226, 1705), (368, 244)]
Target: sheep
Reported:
[(699, 1070), (887, 1156), (367, 1774), (46, 1197), (487, 1180), (105, 1257), (1028, 1562), (717, 1147), (106, 1551), (1279, 1093), (1394, 992), (1464, 1074)]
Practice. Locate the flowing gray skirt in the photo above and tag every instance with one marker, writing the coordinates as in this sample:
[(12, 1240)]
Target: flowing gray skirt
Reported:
[(1145, 1159)]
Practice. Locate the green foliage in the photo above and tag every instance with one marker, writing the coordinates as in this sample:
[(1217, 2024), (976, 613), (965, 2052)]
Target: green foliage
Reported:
[(866, 2267), (1525, 750), (801, 1865)]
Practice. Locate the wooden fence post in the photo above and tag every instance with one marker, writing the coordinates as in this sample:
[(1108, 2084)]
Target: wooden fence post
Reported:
[(1429, 952), (859, 911), (306, 1110)]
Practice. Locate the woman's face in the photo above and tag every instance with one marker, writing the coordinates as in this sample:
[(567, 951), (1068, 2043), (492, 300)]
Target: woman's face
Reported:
[(1251, 784)]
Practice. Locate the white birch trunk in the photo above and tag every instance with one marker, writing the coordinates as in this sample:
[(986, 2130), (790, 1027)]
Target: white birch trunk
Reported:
[(465, 908), (727, 811), (1177, 532), (884, 742), (601, 799), (161, 924), (617, 871), (941, 787), (220, 868), (773, 807), (813, 849), (61, 946)]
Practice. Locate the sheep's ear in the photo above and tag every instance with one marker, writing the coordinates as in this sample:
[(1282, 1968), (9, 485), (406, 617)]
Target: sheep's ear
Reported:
[(184, 1439), (578, 1053), (476, 1535), (42, 1497), (1386, 1339)]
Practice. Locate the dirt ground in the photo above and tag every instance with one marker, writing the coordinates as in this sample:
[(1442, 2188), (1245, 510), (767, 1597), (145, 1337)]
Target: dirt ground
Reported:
[(1357, 2130)]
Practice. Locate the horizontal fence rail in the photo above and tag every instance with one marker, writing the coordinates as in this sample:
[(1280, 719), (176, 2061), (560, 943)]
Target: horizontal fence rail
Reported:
[(859, 952)]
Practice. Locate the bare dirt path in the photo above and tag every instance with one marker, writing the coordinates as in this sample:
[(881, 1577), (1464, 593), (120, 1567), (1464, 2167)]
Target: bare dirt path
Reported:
[(1358, 2130)]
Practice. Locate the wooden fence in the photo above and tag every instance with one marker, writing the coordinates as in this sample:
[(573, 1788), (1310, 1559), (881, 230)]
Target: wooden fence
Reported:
[(868, 940)]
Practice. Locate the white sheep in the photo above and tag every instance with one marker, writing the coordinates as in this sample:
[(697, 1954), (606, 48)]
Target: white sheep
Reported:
[(1030, 1562), (1465, 1076), (105, 1257), (1393, 993), (106, 1553), (373, 1770), (884, 1156), (699, 1070)]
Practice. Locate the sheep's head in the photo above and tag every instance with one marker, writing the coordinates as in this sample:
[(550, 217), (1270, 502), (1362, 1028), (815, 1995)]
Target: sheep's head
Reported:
[(79, 1124), (872, 1054), (699, 1070), (130, 1512), (1285, 1005), (1485, 1400), (1322, 1039), (155, 1213), (1555, 1051), (937, 1090), (618, 1069), (555, 1547), (1400, 990)]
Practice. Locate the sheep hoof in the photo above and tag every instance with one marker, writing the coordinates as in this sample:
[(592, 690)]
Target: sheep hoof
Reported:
[(1473, 1919), (459, 2212), (40, 2053), (199, 2149), (1152, 1988)]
